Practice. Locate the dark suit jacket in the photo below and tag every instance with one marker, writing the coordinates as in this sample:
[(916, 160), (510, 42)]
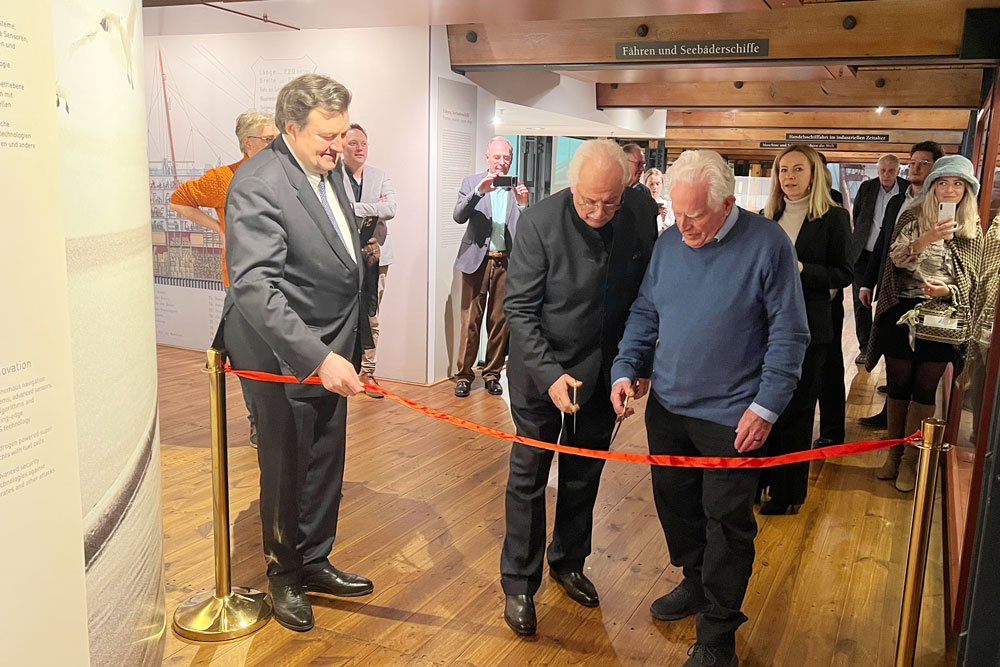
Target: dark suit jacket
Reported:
[(864, 212), (567, 297), (876, 265), (824, 248), (294, 289), (836, 196), (477, 211)]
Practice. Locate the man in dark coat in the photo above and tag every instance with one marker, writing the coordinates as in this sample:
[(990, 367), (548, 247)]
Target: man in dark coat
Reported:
[(574, 271), (869, 212)]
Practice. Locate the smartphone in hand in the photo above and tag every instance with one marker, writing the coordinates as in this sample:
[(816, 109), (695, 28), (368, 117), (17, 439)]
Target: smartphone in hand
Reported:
[(947, 210)]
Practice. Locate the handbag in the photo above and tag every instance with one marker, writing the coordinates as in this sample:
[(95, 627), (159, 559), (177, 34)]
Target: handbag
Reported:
[(939, 321)]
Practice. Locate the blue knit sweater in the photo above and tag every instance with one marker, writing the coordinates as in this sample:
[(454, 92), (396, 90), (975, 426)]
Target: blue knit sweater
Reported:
[(725, 323)]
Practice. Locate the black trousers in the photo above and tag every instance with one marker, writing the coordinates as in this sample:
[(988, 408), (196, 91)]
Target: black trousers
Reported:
[(862, 315), (706, 515), (792, 432), (579, 477), (832, 394), (301, 456)]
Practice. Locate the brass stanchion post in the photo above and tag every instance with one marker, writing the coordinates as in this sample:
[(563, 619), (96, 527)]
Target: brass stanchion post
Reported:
[(931, 447), (226, 613)]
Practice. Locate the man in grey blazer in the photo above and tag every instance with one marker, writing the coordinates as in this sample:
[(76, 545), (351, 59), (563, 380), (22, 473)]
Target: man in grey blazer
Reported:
[(294, 308), (374, 204), (491, 213)]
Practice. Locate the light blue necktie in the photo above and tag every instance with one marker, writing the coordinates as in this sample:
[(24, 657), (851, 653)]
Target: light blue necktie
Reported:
[(333, 218)]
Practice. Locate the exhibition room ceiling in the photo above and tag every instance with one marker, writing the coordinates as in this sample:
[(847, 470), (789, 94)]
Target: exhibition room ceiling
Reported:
[(828, 66)]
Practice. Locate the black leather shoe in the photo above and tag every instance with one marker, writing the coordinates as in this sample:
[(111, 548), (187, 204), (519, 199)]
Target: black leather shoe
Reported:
[(519, 612), (823, 442), (578, 587), (705, 655), (462, 388), (685, 600), (882, 389), (332, 581), (881, 420), (494, 387), (292, 608)]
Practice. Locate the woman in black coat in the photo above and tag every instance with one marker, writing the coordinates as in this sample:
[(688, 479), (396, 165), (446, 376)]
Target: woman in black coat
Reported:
[(821, 231)]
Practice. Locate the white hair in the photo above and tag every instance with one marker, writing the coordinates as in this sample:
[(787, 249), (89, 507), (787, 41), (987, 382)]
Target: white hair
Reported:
[(889, 159), (603, 150), (498, 139), (703, 166)]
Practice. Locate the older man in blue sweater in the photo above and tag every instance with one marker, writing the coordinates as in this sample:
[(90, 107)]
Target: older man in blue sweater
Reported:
[(721, 313)]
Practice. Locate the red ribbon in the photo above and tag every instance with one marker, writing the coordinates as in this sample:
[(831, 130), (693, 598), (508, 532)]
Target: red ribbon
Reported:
[(827, 452)]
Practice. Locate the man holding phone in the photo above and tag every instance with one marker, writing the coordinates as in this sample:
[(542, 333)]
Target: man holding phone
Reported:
[(490, 203)]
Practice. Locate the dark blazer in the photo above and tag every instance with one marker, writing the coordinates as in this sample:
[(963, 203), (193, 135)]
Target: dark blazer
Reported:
[(477, 210), (864, 212), (295, 292), (567, 297), (836, 196), (876, 265), (824, 248)]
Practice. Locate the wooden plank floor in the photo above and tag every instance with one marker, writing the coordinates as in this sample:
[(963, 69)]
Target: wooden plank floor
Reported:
[(422, 515)]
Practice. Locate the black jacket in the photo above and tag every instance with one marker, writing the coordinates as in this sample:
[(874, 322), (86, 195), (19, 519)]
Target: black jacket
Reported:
[(864, 212), (876, 265), (824, 248), (568, 294)]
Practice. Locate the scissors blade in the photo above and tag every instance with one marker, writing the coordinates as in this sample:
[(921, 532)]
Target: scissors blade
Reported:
[(575, 410), (619, 420)]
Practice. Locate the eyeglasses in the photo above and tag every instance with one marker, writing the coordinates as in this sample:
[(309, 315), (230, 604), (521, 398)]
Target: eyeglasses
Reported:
[(641, 163), (607, 207), (921, 163), (268, 139)]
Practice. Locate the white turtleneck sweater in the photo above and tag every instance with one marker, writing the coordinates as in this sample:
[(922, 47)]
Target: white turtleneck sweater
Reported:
[(793, 216)]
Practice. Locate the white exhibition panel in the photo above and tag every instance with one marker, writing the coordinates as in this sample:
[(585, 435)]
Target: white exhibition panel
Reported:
[(39, 473), (79, 465)]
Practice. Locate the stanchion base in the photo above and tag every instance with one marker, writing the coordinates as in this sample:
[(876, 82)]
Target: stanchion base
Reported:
[(206, 618)]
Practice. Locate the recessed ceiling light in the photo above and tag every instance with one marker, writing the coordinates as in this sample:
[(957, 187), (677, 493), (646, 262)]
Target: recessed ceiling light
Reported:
[(497, 120), (879, 109)]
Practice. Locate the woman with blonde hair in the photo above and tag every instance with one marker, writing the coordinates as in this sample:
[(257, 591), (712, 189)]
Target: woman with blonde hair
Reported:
[(653, 179), (931, 269), (821, 232)]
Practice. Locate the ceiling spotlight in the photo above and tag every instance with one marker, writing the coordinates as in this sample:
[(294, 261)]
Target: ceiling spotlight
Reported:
[(497, 120), (879, 109)]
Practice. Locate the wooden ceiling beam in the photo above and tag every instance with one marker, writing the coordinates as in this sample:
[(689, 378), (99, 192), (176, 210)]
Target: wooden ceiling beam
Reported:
[(766, 156), (840, 33), (878, 149), (949, 89), (908, 119), (907, 137)]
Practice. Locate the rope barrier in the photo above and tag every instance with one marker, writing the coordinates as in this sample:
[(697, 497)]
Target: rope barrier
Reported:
[(715, 462)]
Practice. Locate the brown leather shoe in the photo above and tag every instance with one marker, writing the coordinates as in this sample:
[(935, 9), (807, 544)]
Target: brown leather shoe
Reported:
[(368, 378)]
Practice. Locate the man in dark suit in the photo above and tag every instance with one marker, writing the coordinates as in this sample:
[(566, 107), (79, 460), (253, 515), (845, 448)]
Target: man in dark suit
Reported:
[(294, 307), (922, 159), (636, 165), (576, 267), (491, 213), (869, 211)]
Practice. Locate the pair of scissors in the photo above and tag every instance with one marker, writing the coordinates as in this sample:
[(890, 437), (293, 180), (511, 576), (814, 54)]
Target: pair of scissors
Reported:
[(621, 418), (562, 427)]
